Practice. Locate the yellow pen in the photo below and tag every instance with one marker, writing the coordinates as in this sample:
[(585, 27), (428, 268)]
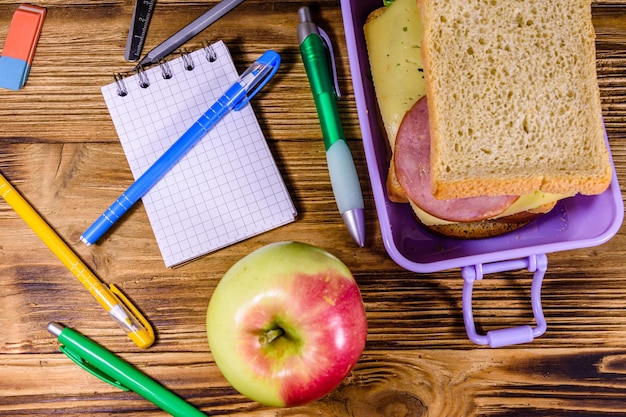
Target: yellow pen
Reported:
[(111, 298)]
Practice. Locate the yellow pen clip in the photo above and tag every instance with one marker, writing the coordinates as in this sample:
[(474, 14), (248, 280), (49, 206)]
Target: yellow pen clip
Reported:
[(144, 335)]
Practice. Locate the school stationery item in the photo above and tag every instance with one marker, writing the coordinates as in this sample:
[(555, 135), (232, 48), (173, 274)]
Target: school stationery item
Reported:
[(112, 369), (227, 187), (315, 47), (19, 47), (142, 13), (111, 298), (192, 29)]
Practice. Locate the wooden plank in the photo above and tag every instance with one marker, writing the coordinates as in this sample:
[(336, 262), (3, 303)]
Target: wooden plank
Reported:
[(60, 150)]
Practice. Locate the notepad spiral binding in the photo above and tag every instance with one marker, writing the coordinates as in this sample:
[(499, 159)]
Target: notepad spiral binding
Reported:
[(166, 71)]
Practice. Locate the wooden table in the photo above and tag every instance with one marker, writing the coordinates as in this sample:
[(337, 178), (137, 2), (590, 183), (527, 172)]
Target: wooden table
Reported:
[(59, 149)]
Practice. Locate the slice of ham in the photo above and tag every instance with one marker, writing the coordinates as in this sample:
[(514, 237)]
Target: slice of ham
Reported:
[(412, 165)]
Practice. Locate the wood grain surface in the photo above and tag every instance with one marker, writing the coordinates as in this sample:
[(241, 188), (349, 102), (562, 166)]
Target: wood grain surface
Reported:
[(60, 150)]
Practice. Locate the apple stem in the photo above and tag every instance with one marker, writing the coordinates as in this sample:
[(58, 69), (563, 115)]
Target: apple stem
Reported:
[(269, 336)]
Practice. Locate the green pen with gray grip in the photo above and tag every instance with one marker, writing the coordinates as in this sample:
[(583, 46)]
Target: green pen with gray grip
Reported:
[(317, 56), (110, 368)]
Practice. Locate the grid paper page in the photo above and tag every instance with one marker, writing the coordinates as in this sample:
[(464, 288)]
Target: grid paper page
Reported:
[(227, 187)]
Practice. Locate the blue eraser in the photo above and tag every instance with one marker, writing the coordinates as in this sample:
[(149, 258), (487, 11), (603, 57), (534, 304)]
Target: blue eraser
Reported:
[(13, 72)]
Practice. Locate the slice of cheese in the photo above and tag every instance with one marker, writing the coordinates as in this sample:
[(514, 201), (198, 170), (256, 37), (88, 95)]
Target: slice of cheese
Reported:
[(523, 203), (393, 41)]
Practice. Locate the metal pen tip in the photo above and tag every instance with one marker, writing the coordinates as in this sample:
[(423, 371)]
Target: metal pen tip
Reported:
[(55, 328), (304, 14), (355, 222), (138, 66), (146, 60)]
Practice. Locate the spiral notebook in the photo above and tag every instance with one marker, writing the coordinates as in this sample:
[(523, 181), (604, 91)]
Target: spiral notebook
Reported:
[(227, 188)]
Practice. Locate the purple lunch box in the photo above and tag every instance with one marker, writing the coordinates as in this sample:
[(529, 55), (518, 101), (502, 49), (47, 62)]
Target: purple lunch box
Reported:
[(577, 222)]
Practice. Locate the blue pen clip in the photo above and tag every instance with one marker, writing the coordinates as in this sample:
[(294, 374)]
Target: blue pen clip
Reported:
[(331, 59), (257, 75), (78, 360)]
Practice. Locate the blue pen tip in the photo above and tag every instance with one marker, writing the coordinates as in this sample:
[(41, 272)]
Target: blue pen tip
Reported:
[(270, 57), (84, 240)]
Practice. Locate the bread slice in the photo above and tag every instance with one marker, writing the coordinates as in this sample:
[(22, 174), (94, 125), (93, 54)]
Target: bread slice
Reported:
[(476, 230), (514, 103)]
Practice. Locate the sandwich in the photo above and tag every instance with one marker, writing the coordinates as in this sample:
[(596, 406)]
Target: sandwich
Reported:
[(491, 109)]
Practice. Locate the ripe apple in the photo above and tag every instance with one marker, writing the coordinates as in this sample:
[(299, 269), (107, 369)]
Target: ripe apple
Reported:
[(286, 324)]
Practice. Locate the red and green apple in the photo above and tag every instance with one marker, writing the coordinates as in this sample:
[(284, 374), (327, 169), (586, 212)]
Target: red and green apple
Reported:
[(286, 324)]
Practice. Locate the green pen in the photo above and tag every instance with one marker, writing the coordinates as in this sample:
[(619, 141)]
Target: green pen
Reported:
[(318, 59), (111, 369)]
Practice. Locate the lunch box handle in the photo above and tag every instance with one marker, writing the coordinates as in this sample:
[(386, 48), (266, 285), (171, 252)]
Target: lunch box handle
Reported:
[(514, 335)]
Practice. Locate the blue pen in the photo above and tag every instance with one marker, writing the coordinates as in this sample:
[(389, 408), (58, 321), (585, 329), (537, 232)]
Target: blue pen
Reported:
[(235, 98)]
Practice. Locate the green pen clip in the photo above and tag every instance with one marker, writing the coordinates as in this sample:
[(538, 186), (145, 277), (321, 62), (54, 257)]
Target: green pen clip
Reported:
[(91, 369)]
